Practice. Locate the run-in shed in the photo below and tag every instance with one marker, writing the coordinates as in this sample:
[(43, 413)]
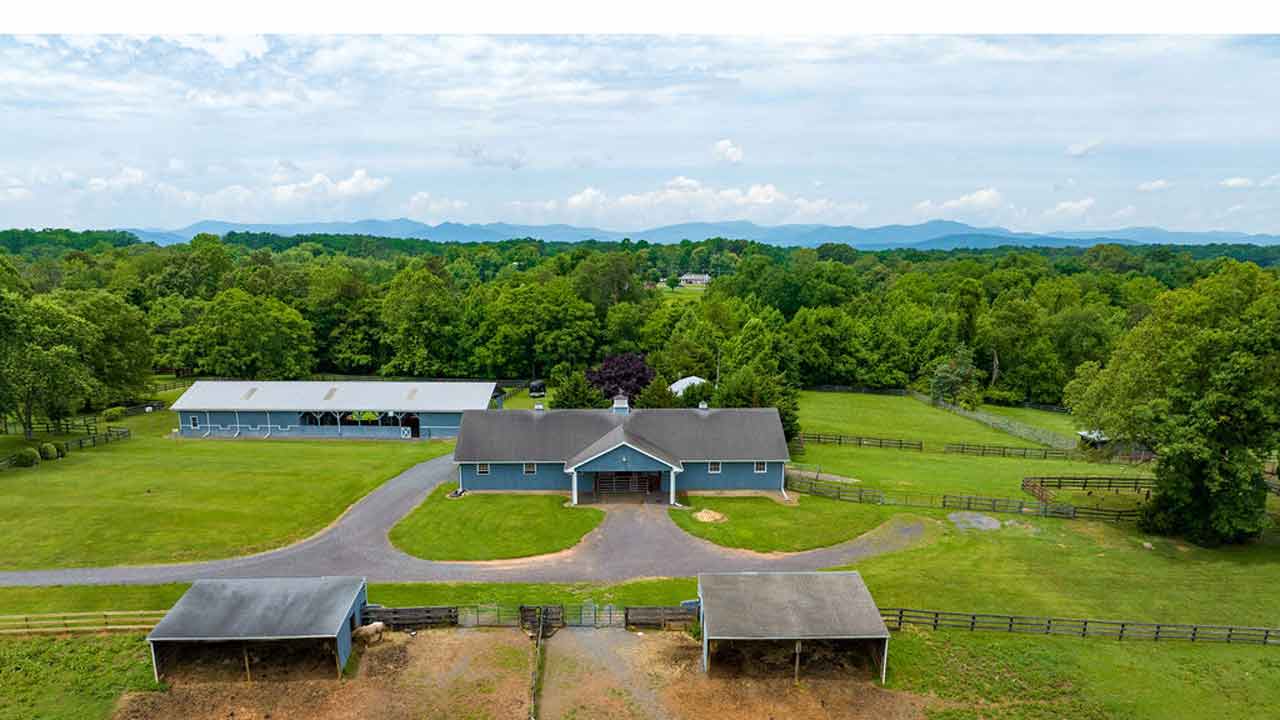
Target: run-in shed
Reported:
[(264, 610), (795, 606)]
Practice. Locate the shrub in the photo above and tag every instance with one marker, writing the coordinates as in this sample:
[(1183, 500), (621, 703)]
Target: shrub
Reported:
[(26, 457), (48, 451), (63, 449), (997, 396), (113, 414)]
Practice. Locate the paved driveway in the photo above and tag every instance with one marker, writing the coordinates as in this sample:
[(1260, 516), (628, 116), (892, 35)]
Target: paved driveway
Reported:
[(634, 541)]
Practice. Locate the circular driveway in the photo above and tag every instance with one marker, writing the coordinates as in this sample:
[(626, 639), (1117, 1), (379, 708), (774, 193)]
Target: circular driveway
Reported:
[(634, 541)]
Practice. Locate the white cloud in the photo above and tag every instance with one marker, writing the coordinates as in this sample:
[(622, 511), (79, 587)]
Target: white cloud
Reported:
[(484, 156), (321, 186), (1236, 182), (984, 199), (1125, 212), (13, 189), (1070, 208), (127, 177), (685, 199), (1083, 149), (422, 206), (1234, 209), (1272, 181), (1154, 185), (228, 50), (726, 151)]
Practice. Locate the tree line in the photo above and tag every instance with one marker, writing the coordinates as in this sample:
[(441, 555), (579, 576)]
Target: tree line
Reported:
[(86, 316)]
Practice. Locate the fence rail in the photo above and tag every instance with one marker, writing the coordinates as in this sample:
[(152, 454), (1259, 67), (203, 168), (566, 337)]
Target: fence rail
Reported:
[(1004, 424), (79, 622), (1093, 482), (859, 441), (1016, 506), (1040, 453), (499, 615), (111, 434), (897, 618)]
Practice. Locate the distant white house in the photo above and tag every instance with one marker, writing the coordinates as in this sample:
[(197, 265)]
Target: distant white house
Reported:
[(694, 279), (678, 387)]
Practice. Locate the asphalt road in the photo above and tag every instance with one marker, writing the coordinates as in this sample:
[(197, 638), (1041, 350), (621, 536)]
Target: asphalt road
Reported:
[(635, 540)]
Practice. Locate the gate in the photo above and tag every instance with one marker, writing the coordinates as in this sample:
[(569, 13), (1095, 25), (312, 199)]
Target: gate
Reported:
[(615, 483)]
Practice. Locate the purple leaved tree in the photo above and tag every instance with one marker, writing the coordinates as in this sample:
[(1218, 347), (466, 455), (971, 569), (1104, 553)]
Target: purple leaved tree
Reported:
[(625, 374)]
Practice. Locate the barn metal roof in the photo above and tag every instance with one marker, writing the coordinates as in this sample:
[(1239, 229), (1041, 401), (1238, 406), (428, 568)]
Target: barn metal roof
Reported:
[(260, 609), (788, 606), (339, 396), (681, 435)]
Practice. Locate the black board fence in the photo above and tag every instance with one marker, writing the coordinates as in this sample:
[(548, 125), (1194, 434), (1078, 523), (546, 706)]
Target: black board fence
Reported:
[(860, 441), (109, 435), (1016, 506), (897, 618), (497, 615), (1036, 453)]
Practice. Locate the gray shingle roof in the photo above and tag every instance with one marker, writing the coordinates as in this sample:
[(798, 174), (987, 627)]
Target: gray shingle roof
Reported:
[(260, 609), (561, 435), (788, 606), (338, 395), (615, 437)]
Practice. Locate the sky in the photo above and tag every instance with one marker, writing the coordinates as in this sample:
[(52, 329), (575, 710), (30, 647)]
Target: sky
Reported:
[(1032, 133)]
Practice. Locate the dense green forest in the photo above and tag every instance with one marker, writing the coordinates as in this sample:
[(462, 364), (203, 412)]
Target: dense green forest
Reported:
[(86, 317)]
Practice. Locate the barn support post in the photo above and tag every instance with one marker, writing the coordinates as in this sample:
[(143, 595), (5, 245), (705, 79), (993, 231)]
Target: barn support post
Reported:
[(672, 487), (797, 675), (575, 487), (268, 426)]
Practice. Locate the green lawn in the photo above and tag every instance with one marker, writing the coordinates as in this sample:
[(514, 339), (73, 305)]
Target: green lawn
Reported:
[(153, 499), (682, 295), (1064, 424), (522, 401), (70, 678), (893, 416), (480, 526), (763, 525), (9, 444), (937, 473)]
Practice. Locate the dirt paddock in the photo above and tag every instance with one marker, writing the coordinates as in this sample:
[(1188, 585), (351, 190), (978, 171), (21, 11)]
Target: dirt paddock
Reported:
[(599, 674), (439, 674)]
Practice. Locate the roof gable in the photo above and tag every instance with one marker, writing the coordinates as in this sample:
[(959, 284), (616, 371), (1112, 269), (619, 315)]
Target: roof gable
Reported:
[(614, 441)]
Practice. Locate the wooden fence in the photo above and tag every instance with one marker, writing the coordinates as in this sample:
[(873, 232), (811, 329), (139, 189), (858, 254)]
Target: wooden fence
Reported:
[(1037, 453), (571, 615), (1117, 483), (897, 618), (1016, 506), (134, 620), (859, 441), (112, 434), (412, 617)]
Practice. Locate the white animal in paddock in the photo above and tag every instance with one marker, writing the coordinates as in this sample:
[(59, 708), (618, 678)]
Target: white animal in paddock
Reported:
[(371, 633)]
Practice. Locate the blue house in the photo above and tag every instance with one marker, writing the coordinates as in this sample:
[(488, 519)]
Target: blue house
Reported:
[(622, 450), (312, 409)]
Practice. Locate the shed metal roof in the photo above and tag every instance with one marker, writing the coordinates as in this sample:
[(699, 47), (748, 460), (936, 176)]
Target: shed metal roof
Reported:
[(682, 435), (788, 606), (340, 396), (260, 609)]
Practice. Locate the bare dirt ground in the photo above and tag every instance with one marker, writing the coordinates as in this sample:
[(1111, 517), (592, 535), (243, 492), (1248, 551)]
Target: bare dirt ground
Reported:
[(480, 674), (599, 674)]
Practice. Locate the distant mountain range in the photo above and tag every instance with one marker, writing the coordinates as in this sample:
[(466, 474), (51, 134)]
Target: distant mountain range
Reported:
[(932, 235)]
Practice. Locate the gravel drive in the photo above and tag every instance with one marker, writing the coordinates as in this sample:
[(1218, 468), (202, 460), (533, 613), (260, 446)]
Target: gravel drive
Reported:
[(635, 540)]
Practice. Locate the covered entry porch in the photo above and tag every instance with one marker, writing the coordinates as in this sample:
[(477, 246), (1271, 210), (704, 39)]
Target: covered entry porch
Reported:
[(622, 463)]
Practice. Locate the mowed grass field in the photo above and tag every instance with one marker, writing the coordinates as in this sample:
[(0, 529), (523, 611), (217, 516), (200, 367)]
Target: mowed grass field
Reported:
[(894, 416), (946, 473), (153, 499), (522, 401), (482, 526), (1064, 424), (765, 525)]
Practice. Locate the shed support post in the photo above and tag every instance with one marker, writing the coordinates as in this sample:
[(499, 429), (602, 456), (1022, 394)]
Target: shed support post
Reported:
[(797, 677), (575, 487), (884, 663), (155, 662), (244, 648), (337, 659)]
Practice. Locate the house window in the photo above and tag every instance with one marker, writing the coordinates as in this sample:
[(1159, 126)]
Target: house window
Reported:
[(482, 468), (530, 469), (713, 467), (761, 466), (195, 422)]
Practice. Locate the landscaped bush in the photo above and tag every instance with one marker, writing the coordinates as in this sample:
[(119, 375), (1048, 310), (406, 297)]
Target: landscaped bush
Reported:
[(113, 414), (63, 449), (48, 451), (995, 396), (26, 457)]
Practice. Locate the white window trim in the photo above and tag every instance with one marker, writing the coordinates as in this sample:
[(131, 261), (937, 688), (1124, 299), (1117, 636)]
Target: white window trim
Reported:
[(761, 467), (714, 467), (195, 422), (482, 468), (529, 468)]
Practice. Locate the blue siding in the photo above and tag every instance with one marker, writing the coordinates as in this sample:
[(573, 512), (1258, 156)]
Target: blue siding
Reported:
[(624, 458), (254, 424), (510, 476), (732, 476), (344, 633)]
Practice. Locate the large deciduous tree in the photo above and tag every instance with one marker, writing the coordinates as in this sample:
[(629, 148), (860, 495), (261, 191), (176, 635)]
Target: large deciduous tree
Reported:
[(43, 359), (245, 336), (422, 313), (1198, 380), (121, 357)]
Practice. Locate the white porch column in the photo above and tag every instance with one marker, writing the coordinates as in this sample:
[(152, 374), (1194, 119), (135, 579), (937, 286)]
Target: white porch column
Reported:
[(671, 485), (575, 487)]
